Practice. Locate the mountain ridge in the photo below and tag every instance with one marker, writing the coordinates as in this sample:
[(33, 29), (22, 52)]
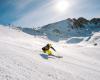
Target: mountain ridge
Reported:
[(66, 29)]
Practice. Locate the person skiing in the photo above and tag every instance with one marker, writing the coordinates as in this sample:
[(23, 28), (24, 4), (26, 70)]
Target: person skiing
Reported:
[(46, 49)]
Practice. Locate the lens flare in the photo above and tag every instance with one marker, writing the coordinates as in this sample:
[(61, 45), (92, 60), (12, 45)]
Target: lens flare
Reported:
[(62, 5)]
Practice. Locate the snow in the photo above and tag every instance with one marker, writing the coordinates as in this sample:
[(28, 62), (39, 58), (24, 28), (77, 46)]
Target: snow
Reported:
[(65, 30), (20, 58)]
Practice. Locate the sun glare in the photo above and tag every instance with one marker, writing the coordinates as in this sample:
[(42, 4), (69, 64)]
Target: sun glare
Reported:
[(61, 6)]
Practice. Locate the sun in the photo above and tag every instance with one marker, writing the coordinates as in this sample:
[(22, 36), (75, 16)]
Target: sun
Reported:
[(62, 5)]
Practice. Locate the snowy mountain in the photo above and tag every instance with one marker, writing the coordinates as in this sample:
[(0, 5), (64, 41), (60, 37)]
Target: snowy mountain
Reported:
[(69, 30), (21, 57)]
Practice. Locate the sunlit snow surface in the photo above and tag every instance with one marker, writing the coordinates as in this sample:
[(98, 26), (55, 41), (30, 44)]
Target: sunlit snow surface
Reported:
[(20, 58)]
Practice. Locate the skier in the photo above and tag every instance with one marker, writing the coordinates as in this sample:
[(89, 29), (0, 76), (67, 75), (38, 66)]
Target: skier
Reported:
[(46, 49)]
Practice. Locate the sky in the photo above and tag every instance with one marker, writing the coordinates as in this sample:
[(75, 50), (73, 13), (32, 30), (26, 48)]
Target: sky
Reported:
[(36, 13)]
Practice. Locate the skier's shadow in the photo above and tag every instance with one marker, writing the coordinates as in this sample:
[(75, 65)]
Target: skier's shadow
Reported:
[(45, 56)]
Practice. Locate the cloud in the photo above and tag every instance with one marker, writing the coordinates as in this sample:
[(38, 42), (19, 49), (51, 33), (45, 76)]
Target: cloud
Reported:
[(35, 17), (46, 14), (22, 3)]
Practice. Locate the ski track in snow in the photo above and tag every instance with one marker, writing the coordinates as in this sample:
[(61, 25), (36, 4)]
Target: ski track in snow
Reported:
[(20, 59)]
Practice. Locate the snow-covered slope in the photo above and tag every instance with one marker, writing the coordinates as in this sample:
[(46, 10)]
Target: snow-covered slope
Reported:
[(95, 38), (20, 59)]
